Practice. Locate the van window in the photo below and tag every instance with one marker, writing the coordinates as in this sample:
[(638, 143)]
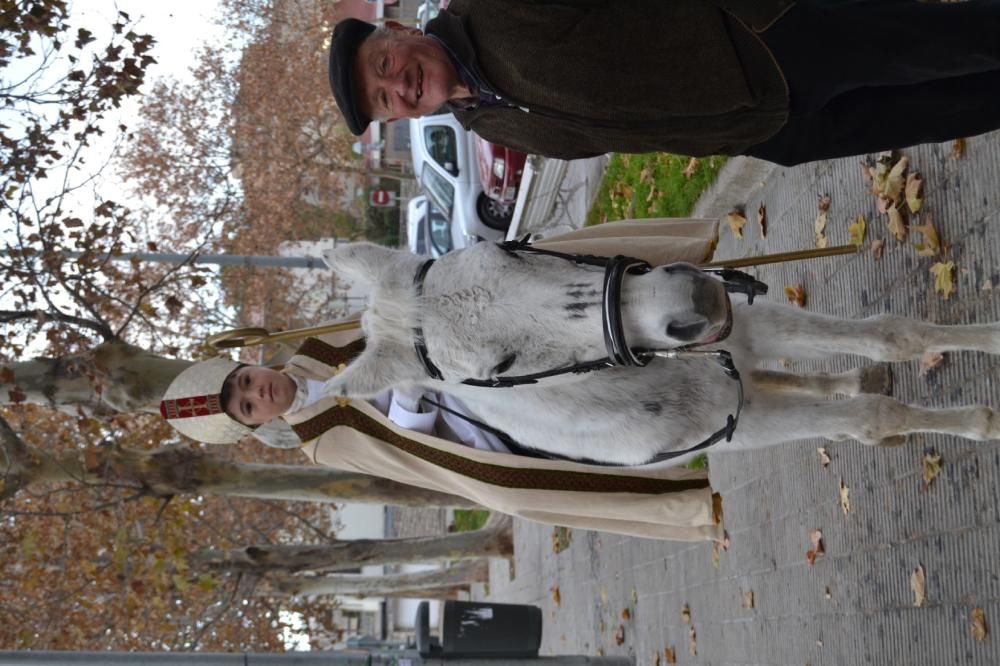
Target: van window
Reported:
[(442, 146), (438, 189)]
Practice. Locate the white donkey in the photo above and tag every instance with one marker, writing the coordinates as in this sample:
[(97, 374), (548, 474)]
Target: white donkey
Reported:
[(486, 312)]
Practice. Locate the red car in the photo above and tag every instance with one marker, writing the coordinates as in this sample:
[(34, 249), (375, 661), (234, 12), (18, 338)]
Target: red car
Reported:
[(500, 170)]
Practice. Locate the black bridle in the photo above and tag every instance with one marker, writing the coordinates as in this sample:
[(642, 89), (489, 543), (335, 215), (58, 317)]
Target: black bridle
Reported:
[(618, 350)]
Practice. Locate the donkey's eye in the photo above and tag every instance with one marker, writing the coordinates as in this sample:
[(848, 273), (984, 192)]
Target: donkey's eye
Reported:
[(504, 365)]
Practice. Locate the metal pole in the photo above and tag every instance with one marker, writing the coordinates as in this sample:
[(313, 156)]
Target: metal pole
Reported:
[(360, 658), (781, 257), (217, 259)]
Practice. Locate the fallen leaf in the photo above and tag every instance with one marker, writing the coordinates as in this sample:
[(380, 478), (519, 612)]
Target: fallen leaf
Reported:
[(736, 221), (691, 167), (845, 497), (918, 583), (987, 284), (561, 538), (635, 596), (819, 643), (645, 175), (929, 361), (931, 465), (897, 223), (978, 618), (748, 599), (725, 543), (944, 274), (866, 174), (932, 243), (796, 294), (669, 655), (626, 614), (894, 181), (822, 242), (883, 204), (856, 231), (686, 614), (827, 593), (824, 457), (824, 200), (762, 219), (693, 642), (914, 191), (820, 224), (958, 148), (878, 246), (715, 555), (879, 173), (652, 194), (556, 597), (816, 539), (656, 659), (620, 634)]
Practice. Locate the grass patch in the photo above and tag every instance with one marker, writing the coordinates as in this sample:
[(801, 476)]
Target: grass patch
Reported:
[(700, 461), (467, 520), (651, 185)]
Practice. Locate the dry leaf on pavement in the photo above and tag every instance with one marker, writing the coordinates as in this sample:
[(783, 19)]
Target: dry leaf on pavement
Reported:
[(894, 181), (897, 223), (824, 201), (931, 465), (932, 242), (748, 599), (762, 219), (796, 294), (626, 614), (879, 173), (824, 457), (561, 538), (918, 583), (736, 221), (556, 597), (691, 167), (914, 191), (816, 539), (958, 148), (944, 278), (845, 497), (929, 361), (620, 634), (693, 642), (716, 560), (820, 228), (866, 173), (978, 618), (669, 655), (686, 614), (987, 284), (878, 247), (856, 231)]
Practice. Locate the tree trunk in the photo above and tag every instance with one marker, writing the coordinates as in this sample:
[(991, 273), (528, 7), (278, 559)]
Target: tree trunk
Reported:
[(493, 540), (112, 377), (421, 584), (178, 470)]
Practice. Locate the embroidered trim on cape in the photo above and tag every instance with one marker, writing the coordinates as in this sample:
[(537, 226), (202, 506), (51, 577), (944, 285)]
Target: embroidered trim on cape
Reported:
[(330, 355), (496, 475)]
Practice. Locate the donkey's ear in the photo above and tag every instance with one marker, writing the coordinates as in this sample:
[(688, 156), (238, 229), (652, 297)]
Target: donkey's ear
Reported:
[(365, 262), (379, 367)]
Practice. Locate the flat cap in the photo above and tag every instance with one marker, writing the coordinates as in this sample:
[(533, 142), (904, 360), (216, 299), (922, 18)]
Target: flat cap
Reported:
[(347, 37)]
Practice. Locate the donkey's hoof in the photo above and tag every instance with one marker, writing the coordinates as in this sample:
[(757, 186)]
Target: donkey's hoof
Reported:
[(877, 379), (891, 442)]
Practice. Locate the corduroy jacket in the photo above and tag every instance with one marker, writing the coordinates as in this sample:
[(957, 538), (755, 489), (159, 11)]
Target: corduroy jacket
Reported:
[(593, 76)]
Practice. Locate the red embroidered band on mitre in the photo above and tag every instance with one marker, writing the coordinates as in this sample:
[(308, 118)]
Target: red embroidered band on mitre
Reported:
[(185, 408)]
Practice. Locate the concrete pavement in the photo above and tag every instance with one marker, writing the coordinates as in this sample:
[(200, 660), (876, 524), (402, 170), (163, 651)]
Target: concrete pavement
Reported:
[(855, 604)]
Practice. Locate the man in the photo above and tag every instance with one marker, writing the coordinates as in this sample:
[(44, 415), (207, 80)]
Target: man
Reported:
[(781, 80)]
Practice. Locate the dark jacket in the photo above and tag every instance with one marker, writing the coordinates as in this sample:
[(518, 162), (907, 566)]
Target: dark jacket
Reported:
[(682, 76)]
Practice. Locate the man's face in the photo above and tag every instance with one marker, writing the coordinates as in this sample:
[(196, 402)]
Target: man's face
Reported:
[(405, 76), (258, 395)]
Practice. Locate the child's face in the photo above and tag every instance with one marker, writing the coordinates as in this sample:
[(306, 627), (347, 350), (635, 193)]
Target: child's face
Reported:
[(258, 395)]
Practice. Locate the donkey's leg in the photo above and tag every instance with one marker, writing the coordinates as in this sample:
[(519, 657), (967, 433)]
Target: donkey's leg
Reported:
[(872, 379), (871, 419), (776, 331)]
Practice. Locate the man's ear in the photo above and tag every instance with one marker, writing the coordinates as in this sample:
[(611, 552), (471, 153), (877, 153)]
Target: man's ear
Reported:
[(380, 366), (399, 27)]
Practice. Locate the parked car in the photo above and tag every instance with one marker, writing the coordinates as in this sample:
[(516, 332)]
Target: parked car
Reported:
[(428, 231), (500, 170), (427, 10), (444, 159)]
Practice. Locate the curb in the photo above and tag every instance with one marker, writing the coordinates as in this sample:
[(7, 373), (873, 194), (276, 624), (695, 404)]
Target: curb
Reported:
[(737, 182)]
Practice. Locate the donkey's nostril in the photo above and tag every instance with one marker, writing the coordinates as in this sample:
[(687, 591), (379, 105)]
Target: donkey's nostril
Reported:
[(689, 331)]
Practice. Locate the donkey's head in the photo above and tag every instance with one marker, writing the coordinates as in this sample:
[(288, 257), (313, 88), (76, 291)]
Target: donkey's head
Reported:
[(486, 312)]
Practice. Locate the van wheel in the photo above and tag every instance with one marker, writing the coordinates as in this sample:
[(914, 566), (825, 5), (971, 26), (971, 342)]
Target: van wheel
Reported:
[(494, 214)]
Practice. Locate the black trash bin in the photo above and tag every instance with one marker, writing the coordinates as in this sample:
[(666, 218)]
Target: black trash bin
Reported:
[(481, 630)]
